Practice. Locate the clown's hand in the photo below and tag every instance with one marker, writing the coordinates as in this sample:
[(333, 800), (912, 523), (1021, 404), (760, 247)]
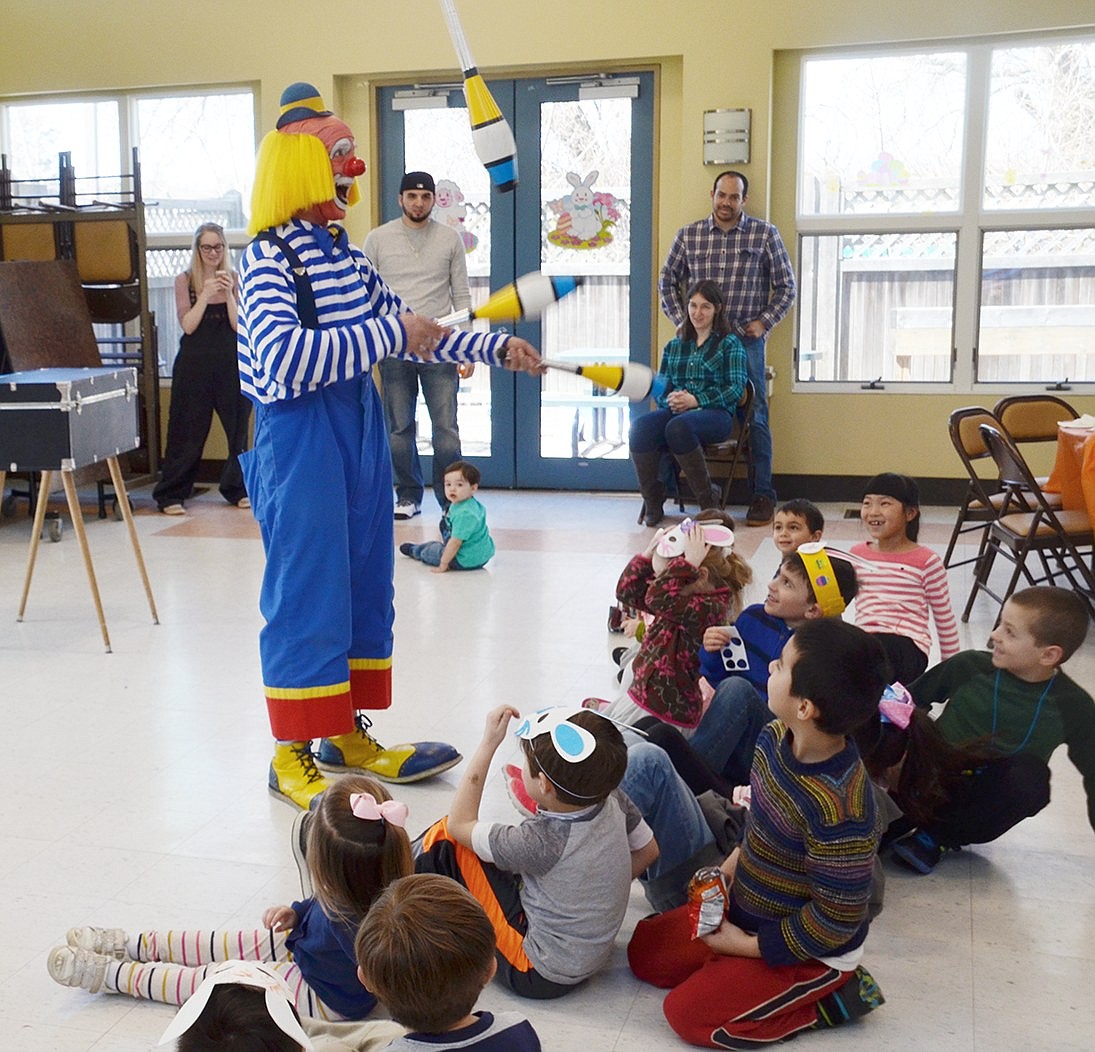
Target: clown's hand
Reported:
[(521, 356), (423, 334)]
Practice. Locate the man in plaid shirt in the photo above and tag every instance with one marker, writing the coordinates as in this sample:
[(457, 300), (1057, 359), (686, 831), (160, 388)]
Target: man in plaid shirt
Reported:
[(745, 257)]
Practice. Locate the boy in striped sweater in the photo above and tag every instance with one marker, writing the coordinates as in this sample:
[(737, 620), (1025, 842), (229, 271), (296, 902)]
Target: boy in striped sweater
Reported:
[(786, 957)]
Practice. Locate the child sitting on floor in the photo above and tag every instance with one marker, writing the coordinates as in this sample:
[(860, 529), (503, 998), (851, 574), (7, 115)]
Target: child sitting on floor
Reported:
[(426, 949), (688, 578), (900, 581), (786, 956), (556, 886), (797, 522), (356, 846), (465, 544), (1015, 705)]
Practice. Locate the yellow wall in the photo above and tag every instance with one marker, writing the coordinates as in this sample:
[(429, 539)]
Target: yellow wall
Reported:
[(710, 54)]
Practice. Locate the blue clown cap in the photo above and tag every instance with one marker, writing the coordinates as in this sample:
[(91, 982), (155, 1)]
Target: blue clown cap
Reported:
[(300, 101)]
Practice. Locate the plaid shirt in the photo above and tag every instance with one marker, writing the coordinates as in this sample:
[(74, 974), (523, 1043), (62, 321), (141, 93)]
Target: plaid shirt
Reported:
[(713, 374), (749, 263)]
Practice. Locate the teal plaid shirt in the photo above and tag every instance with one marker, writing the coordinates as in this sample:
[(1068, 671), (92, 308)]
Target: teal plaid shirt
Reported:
[(714, 373)]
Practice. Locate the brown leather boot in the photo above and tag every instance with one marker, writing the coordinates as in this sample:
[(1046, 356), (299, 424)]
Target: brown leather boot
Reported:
[(647, 470), (694, 469)]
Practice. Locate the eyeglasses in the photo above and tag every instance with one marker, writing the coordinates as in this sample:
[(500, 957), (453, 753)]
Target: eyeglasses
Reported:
[(212, 248)]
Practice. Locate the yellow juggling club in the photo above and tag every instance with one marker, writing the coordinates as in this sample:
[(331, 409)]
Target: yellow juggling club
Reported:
[(524, 298), (490, 132), (635, 381)]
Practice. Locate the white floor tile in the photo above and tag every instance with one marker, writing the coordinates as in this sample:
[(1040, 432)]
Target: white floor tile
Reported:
[(134, 784)]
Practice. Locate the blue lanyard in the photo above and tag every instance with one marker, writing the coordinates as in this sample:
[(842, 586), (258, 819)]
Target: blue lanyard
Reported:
[(1037, 711)]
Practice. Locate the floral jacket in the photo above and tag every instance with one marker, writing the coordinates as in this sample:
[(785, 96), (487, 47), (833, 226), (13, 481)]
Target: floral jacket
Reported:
[(667, 668)]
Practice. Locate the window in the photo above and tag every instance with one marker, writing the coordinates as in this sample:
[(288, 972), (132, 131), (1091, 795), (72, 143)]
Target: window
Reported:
[(946, 215), (197, 156)]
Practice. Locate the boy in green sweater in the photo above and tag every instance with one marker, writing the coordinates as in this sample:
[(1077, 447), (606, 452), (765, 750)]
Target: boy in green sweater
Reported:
[(1016, 704)]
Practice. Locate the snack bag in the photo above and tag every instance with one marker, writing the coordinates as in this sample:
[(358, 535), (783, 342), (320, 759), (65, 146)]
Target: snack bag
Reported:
[(706, 901)]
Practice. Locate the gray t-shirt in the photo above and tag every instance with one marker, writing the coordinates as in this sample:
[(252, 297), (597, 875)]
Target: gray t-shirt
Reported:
[(425, 267), (576, 879)]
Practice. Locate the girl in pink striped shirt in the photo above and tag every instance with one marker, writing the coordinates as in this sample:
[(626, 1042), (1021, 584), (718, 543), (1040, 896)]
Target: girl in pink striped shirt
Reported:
[(901, 582), (355, 847)]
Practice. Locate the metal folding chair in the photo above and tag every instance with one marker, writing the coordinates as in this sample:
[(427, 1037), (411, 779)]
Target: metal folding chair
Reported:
[(725, 458), (1033, 418), (1027, 525), (980, 505)]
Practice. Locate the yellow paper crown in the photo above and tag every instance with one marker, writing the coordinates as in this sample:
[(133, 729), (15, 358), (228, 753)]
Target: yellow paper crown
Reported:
[(822, 579)]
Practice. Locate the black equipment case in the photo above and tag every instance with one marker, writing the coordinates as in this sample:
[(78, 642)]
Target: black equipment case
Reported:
[(63, 419)]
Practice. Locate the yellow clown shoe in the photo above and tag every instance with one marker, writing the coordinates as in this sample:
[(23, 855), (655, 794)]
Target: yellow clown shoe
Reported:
[(360, 753), (293, 774)]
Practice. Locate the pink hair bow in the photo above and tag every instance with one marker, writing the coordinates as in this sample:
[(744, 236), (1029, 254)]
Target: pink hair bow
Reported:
[(896, 706), (364, 806)]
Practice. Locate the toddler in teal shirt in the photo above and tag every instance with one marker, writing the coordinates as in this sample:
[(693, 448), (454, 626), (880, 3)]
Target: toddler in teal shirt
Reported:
[(466, 543)]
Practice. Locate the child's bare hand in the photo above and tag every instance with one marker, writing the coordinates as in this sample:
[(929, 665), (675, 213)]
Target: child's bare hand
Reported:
[(279, 918), (716, 637), (695, 547), (497, 724), (628, 626), (730, 941), (439, 569)]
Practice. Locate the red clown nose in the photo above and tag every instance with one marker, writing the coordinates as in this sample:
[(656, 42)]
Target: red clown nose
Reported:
[(355, 167)]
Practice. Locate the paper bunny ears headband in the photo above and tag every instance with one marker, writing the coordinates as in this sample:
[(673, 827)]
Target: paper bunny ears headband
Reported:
[(715, 535), (243, 973)]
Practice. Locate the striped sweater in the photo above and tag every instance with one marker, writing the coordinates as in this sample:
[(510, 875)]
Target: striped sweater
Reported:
[(897, 590), (803, 878), (279, 359)]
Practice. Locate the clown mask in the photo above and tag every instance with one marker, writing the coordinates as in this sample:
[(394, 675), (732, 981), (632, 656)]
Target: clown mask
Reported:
[(346, 166)]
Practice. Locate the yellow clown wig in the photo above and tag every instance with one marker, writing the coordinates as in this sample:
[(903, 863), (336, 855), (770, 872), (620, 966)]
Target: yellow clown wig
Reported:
[(292, 173)]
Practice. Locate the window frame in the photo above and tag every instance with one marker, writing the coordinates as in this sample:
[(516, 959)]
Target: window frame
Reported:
[(128, 102), (968, 223)]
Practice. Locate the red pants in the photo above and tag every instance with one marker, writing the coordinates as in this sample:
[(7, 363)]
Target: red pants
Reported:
[(725, 1002)]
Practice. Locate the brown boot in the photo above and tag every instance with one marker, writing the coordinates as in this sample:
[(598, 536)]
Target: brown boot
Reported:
[(694, 469), (647, 470)]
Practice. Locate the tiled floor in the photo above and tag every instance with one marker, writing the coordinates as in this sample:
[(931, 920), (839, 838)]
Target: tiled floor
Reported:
[(134, 782)]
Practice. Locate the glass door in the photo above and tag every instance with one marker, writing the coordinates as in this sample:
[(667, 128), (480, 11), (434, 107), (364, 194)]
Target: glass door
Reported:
[(582, 208)]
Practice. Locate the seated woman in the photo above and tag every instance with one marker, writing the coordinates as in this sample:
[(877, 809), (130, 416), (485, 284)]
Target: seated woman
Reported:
[(706, 372)]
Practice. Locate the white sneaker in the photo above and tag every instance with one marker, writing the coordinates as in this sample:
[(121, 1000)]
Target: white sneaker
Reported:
[(406, 509), (111, 941), (80, 968)]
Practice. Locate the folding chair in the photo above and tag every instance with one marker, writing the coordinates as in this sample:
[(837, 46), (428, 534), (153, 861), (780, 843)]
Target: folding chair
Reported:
[(1057, 537), (979, 506), (1033, 418), (724, 458)]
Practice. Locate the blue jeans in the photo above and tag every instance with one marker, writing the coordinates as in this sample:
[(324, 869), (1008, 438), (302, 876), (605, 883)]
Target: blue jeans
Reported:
[(683, 835), (760, 439), (727, 735), (430, 554), (400, 380), (679, 432)]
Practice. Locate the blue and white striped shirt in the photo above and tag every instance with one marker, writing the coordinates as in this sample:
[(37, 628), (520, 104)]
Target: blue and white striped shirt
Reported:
[(749, 264), (279, 359)]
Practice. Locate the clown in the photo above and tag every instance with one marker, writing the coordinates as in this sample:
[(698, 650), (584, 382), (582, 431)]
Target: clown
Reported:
[(314, 319)]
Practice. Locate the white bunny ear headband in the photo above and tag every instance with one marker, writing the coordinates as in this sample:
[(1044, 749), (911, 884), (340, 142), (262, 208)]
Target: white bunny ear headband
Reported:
[(715, 534), (243, 973)]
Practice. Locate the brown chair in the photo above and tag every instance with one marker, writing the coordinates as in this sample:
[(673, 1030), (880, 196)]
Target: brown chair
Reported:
[(1062, 540), (730, 458), (982, 503), (1033, 418)]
